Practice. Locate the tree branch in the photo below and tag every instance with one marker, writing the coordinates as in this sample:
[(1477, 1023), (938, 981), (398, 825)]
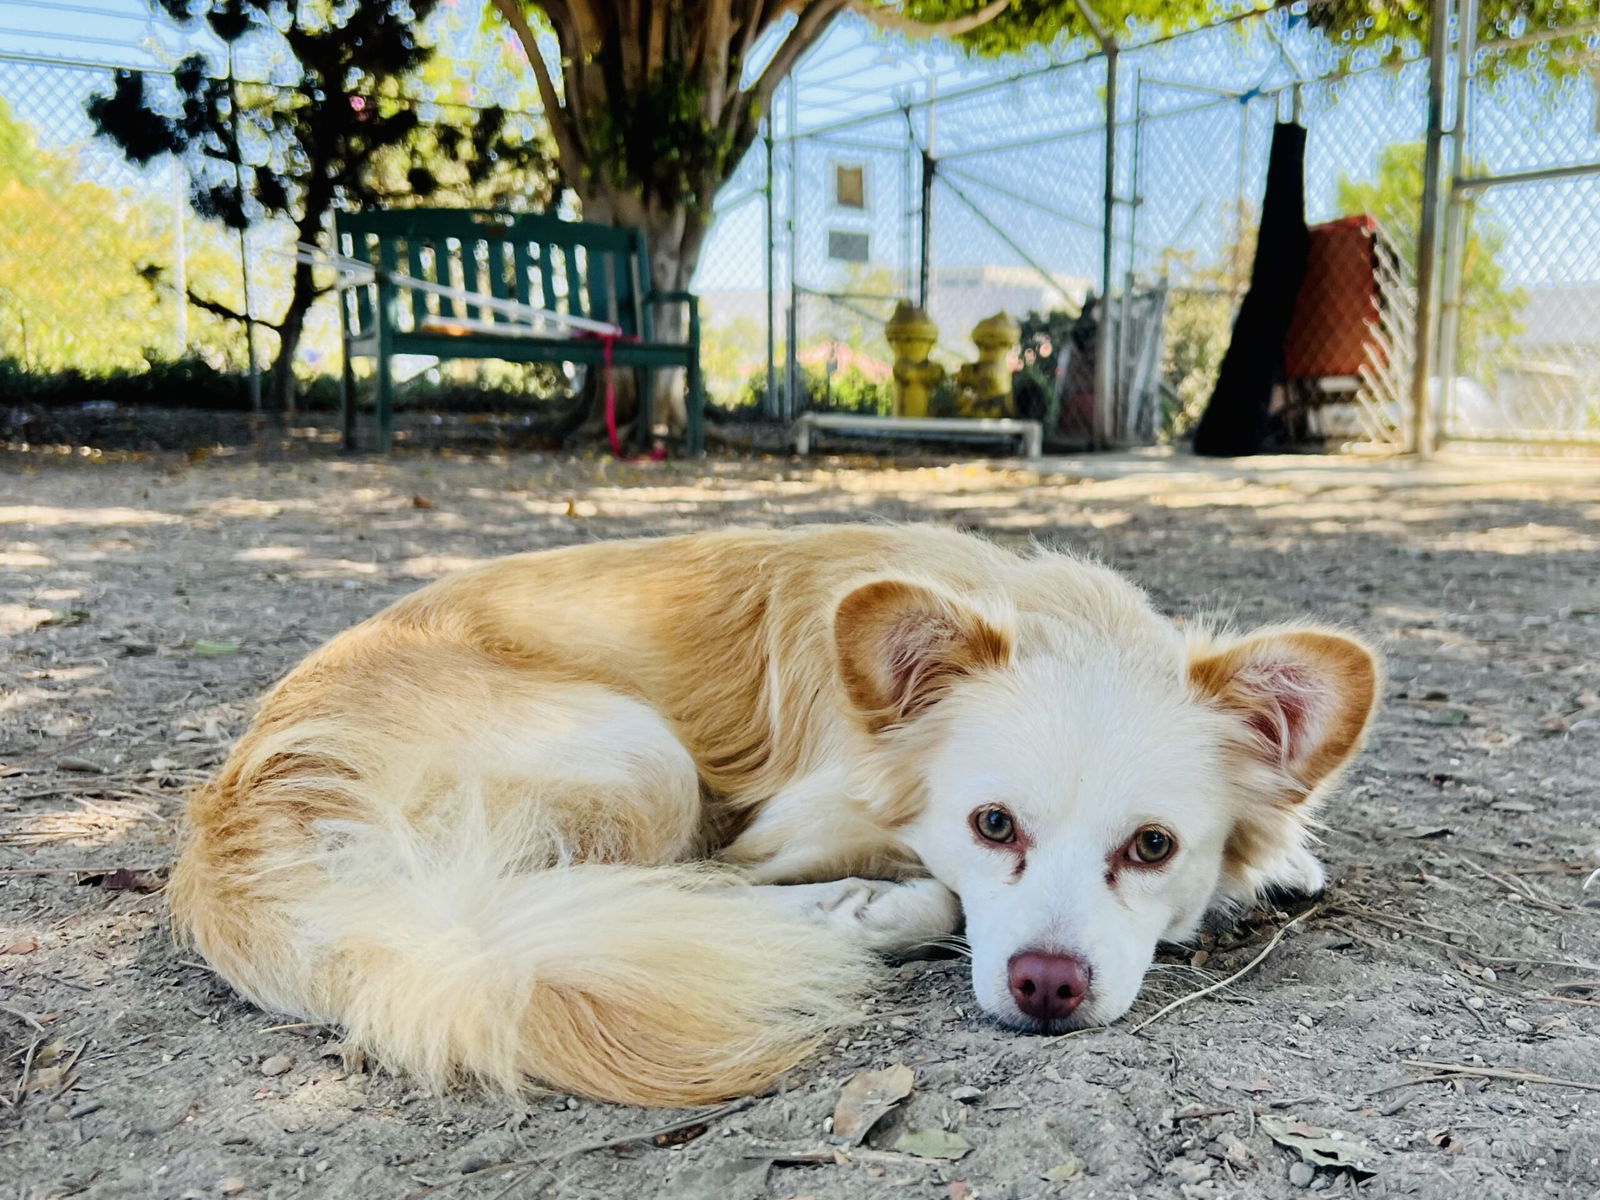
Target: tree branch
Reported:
[(569, 144), (813, 23), (573, 43), (219, 309), (889, 18), (718, 34), (750, 104)]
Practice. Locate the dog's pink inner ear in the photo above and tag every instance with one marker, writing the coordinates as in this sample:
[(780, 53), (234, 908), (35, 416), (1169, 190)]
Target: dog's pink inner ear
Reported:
[(901, 646), (1304, 695), (1284, 706)]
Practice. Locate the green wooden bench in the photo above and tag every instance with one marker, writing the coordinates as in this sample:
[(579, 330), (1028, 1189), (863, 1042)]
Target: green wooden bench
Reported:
[(596, 273)]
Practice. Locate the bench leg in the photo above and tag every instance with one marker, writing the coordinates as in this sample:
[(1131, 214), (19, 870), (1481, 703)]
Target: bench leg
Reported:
[(644, 384), (387, 317), (802, 437), (696, 400), (385, 404), (347, 404), (1033, 442)]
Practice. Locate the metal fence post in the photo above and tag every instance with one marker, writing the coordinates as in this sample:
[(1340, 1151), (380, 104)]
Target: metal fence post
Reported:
[(244, 249), (180, 257), (927, 230), (1427, 330), (1105, 342), (908, 259), (770, 407), (1456, 204), (1125, 348), (791, 366)]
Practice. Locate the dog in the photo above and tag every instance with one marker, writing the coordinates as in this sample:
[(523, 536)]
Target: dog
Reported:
[(636, 819)]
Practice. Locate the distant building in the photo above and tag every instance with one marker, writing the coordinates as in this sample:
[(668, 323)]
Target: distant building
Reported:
[(960, 298), (1553, 381)]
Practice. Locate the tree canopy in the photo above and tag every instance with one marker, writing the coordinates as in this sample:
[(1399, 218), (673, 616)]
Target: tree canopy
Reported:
[(341, 131), (71, 254)]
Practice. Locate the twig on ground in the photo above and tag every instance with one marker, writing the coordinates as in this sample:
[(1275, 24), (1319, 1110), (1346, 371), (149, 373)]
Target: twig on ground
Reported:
[(547, 1160), (1364, 913), (134, 789), (1239, 974), (77, 870), (27, 1069), (1477, 1014), (18, 767), (1194, 1114), (1525, 893), (1454, 1070), (60, 789), (67, 1080), (842, 1155), (22, 1016)]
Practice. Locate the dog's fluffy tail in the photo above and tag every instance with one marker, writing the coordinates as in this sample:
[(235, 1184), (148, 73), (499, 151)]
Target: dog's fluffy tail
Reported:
[(451, 959)]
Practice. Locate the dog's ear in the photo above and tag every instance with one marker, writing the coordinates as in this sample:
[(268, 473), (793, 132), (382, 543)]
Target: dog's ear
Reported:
[(901, 646), (1304, 698)]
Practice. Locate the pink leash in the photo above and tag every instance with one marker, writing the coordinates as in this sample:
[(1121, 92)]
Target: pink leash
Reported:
[(658, 454)]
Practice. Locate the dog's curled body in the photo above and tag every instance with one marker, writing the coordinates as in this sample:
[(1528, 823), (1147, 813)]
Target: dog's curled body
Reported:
[(478, 830)]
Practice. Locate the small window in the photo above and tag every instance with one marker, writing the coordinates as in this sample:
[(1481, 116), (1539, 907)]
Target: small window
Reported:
[(850, 185), (846, 246)]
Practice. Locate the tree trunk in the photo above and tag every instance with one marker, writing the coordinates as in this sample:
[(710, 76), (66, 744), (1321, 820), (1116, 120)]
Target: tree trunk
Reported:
[(674, 235), (282, 398), (283, 394)]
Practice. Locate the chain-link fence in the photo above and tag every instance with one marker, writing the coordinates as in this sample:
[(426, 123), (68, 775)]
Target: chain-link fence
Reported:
[(1520, 329), (105, 266), (989, 197), (84, 235), (886, 179)]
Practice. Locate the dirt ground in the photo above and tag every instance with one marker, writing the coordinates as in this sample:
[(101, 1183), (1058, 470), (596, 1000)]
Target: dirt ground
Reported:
[(1440, 1010)]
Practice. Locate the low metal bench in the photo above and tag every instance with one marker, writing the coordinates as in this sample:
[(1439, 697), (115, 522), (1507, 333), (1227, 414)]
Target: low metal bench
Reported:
[(461, 284), (1029, 433)]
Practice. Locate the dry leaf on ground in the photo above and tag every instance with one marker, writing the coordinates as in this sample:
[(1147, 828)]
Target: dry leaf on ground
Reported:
[(866, 1098)]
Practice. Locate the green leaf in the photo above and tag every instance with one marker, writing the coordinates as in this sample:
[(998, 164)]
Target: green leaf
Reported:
[(933, 1143), (1062, 1172), (64, 617), (214, 649)]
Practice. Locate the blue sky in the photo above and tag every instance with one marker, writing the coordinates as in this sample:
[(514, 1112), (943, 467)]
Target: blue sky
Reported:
[(1196, 149)]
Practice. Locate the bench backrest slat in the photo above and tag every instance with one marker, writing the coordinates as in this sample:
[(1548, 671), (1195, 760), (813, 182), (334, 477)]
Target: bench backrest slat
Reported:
[(577, 268), (469, 276), (417, 270)]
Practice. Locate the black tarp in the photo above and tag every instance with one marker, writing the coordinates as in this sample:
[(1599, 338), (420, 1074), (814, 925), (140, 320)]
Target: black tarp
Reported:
[(1236, 418)]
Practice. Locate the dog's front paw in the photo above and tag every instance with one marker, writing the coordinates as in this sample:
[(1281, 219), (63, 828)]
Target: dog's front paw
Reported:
[(882, 915), (1297, 873)]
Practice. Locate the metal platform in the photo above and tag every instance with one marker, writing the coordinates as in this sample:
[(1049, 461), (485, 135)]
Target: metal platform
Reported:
[(1029, 433)]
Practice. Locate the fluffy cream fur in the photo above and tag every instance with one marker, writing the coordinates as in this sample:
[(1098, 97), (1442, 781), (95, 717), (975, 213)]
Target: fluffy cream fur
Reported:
[(477, 830)]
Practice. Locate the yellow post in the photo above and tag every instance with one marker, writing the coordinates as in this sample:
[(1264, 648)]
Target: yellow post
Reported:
[(911, 336), (986, 384)]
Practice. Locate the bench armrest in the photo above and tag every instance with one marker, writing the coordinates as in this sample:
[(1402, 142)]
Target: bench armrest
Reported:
[(686, 298), (689, 298)]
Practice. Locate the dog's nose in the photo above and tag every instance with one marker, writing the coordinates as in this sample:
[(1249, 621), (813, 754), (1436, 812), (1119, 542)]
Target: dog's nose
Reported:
[(1048, 986)]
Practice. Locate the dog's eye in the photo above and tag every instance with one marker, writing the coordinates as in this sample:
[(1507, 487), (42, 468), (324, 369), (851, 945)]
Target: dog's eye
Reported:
[(1152, 845), (995, 824)]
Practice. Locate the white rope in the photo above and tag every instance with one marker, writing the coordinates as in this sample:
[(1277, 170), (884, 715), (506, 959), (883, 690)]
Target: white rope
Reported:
[(354, 272)]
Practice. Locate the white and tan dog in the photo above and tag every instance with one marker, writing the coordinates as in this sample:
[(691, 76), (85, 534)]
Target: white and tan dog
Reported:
[(632, 818)]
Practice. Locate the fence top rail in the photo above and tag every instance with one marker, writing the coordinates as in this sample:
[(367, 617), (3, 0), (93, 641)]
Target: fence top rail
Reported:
[(1262, 91), (1090, 52)]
